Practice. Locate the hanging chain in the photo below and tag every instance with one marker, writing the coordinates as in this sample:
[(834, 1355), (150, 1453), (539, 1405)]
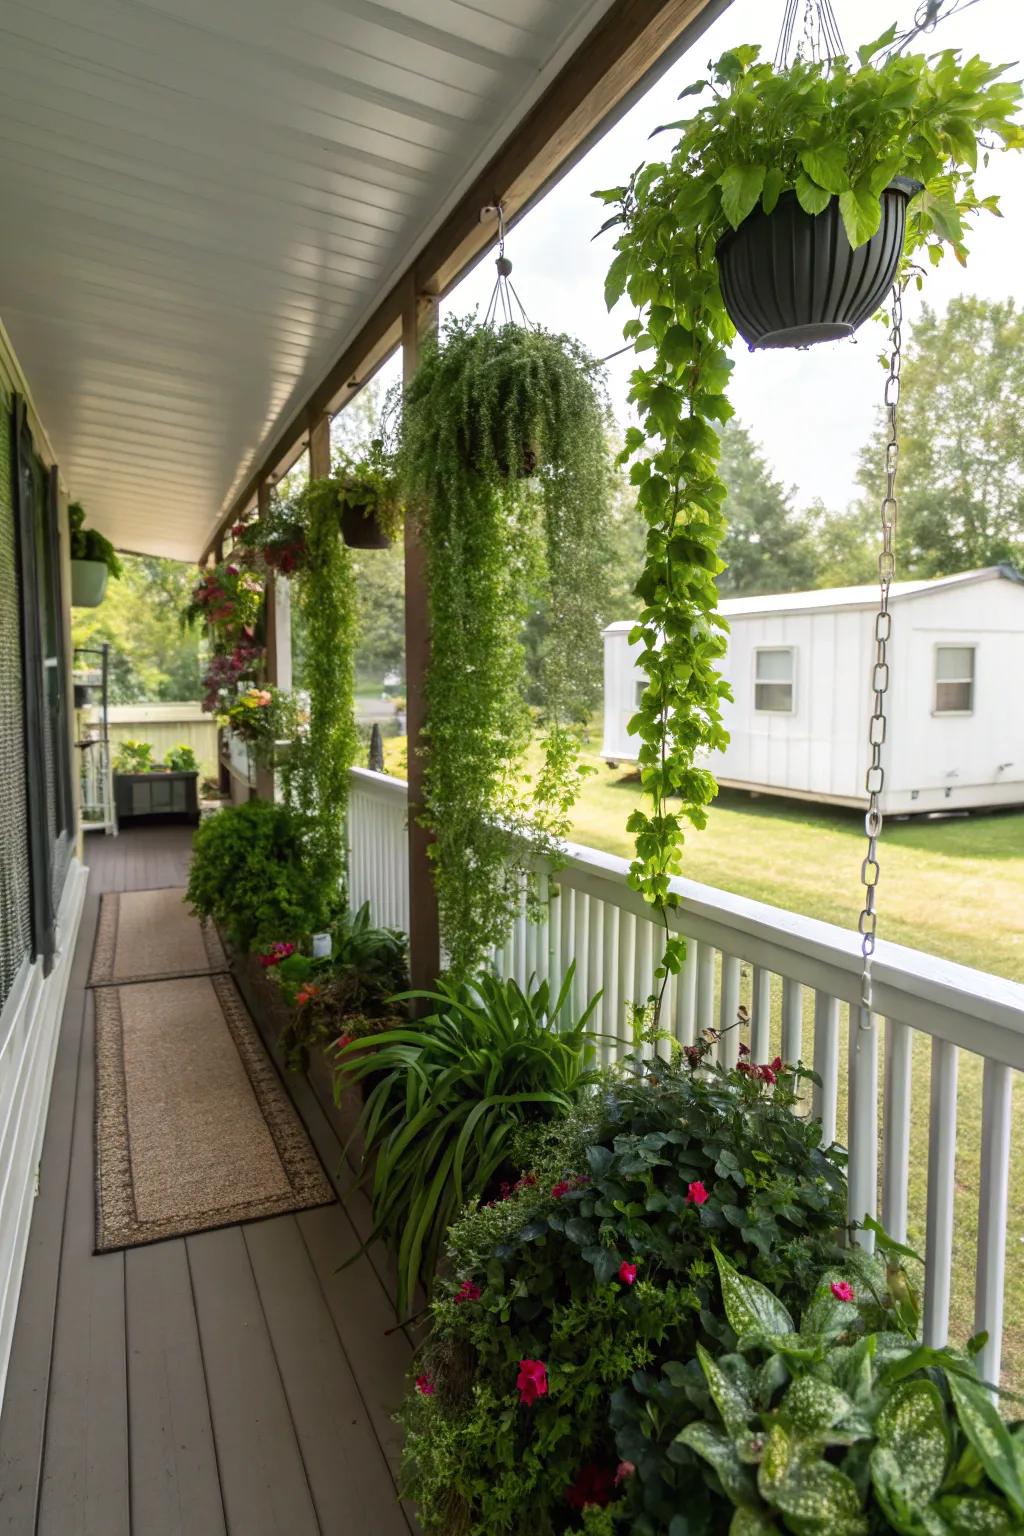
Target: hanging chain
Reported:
[(875, 781), (821, 39), (504, 299)]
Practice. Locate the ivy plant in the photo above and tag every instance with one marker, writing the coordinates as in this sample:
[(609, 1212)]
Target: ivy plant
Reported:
[(504, 462), (317, 776), (841, 129)]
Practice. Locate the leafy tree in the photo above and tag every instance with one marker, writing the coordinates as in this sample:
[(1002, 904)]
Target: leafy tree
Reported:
[(151, 659), (845, 553), (765, 546), (961, 465)]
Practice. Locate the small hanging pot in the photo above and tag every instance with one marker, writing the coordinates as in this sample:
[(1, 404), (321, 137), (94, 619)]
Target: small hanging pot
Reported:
[(792, 279), (88, 582), (361, 529)]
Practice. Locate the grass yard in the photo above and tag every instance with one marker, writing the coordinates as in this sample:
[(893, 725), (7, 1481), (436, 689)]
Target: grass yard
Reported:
[(952, 887)]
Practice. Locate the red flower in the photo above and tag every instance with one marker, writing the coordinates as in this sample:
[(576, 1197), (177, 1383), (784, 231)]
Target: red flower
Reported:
[(627, 1273), (424, 1386), (842, 1290), (275, 954), (561, 1188), (766, 1073), (592, 1485), (696, 1194), (532, 1381), (467, 1291), (342, 1041), (306, 994), (623, 1470), (777, 1064)]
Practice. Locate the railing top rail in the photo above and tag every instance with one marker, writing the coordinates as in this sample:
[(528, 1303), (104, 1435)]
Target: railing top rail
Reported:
[(974, 1009)]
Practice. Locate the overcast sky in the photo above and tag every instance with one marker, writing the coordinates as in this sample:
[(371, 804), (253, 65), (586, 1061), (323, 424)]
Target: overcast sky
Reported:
[(810, 410)]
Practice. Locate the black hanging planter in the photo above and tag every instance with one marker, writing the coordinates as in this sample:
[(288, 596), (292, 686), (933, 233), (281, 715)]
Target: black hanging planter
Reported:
[(361, 529), (791, 279)]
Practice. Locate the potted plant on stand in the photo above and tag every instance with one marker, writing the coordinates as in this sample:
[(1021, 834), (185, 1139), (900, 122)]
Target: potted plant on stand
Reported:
[(146, 789), (93, 561)]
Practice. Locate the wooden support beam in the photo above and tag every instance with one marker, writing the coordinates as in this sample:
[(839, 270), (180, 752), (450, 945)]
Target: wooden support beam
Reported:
[(631, 45), (419, 316), (319, 445), (277, 605)]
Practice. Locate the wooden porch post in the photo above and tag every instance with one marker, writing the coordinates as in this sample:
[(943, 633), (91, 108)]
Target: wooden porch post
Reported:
[(278, 608), (419, 316)]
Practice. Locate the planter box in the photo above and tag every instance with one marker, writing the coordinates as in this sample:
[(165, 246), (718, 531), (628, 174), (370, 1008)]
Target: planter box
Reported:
[(167, 795), (88, 583)]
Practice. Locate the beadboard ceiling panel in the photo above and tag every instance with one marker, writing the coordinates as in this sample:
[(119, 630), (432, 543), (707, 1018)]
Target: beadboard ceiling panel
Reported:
[(201, 199)]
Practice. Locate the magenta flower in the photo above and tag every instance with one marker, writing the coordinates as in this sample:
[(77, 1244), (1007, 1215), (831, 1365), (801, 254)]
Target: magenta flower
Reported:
[(424, 1386), (627, 1273), (623, 1470), (842, 1290), (467, 1291), (696, 1194), (532, 1381), (561, 1188)]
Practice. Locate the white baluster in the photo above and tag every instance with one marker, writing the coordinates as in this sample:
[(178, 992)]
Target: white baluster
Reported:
[(938, 1252), (581, 930), (627, 991), (728, 1044), (761, 1016), (792, 1021), (686, 996), (896, 1130), (993, 1195), (566, 920), (826, 1064), (595, 955), (612, 1017), (863, 1122), (705, 1015)]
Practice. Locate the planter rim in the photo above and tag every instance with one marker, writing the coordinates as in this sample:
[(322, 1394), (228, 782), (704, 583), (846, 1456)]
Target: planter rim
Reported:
[(907, 185)]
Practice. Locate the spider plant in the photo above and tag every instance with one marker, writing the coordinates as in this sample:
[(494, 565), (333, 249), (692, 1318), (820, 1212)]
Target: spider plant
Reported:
[(447, 1094)]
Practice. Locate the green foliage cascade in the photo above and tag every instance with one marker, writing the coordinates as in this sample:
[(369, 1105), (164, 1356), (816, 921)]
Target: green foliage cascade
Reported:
[(662, 1164), (181, 759), (317, 778), (250, 873), (821, 130), (504, 460)]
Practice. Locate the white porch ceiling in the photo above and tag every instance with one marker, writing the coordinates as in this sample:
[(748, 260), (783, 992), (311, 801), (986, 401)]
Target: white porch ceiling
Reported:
[(200, 200)]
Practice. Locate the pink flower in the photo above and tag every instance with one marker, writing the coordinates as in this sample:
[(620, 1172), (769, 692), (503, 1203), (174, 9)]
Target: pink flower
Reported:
[(623, 1470), (532, 1381), (467, 1291), (424, 1386), (232, 570), (767, 1073), (627, 1273), (696, 1194), (561, 1188), (777, 1064), (842, 1290)]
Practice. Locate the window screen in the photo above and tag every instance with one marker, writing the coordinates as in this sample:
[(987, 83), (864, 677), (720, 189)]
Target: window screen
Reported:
[(773, 681), (15, 880), (954, 679)]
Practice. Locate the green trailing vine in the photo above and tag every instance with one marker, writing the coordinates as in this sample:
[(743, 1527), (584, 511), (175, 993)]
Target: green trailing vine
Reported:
[(316, 778), (503, 455), (842, 130)]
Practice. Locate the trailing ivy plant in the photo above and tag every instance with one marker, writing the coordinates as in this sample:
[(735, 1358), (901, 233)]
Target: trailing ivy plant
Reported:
[(821, 130), (317, 776), (504, 460)]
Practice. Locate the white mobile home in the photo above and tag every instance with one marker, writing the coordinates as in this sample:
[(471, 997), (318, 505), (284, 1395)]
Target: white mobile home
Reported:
[(801, 663)]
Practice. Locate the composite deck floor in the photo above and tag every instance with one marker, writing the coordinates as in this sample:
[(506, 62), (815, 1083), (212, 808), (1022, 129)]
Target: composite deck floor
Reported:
[(235, 1381)]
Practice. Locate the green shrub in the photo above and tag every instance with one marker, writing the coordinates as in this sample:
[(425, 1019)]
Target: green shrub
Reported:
[(134, 757), (249, 874), (181, 759), (599, 1265), (845, 1427), (448, 1094)]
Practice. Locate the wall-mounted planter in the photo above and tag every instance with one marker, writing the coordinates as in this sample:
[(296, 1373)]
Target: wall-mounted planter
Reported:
[(792, 279), (88, 583), (163, 793), (361, 530)]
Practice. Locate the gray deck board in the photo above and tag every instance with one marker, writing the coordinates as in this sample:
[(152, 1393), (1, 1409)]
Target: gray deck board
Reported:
[(233, 1382)]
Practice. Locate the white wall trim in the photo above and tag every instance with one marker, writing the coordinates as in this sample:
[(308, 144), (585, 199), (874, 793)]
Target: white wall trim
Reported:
[(29, 1031)]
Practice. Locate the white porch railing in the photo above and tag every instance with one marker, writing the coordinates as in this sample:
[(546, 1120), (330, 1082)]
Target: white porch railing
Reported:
[(803, 974)]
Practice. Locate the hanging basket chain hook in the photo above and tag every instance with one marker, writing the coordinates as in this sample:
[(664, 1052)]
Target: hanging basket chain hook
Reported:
[(821, 40), (505, 301), (875, 780)]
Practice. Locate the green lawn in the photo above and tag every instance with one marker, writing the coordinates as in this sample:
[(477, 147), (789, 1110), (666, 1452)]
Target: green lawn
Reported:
[(951, 887)]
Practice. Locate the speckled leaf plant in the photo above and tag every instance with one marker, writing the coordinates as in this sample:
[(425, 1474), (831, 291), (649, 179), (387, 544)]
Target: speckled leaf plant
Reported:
[(823, 131)]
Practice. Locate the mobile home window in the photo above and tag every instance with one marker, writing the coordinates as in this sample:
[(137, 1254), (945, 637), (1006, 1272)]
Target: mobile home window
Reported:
[(773, 681), (954, 679)]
